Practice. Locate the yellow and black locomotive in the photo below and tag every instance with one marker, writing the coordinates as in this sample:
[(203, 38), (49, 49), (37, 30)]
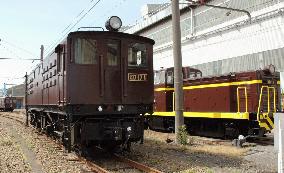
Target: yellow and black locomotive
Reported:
[(229, 105)]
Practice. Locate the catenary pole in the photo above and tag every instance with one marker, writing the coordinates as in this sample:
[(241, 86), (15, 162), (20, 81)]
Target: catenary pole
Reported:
[(178, 82)]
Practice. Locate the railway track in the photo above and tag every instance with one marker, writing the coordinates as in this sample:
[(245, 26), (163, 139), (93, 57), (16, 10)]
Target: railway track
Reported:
[(18, 119), (136, 165), (130, 164)]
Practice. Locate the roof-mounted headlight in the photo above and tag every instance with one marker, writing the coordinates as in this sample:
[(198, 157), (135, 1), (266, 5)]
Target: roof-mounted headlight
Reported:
[(271, 69), (114, 23)]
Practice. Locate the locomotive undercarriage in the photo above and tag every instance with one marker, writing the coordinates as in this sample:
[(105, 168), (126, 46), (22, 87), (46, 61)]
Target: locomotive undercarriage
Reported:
[(217, 128), (80, 131)]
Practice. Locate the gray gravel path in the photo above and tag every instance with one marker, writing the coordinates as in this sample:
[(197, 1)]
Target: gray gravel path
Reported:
[(263, 157)]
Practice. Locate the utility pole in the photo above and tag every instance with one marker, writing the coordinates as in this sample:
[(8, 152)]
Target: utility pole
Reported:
[(41, 52), (178, 82), (5, 89), (26, 97)]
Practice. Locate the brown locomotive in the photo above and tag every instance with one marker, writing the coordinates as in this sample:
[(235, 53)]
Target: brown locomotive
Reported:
[(7, 104), (88, 91), (221, 106)]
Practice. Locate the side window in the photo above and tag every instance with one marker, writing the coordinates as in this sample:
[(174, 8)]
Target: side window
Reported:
[(137, 55), (60, 59), (162, 77), (58, 62), (156, 77), (170, 77), (85, 51), (112, 52)]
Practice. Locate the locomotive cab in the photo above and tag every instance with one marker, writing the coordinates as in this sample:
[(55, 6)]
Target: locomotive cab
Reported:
[(7, 104)]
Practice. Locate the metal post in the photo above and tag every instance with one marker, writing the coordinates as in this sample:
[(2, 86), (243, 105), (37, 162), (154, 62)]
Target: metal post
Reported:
[(41, 52), (280, 147), (178, 82), (26, 101), (4, 90)]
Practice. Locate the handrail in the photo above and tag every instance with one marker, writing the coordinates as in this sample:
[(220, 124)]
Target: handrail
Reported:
[(238, 98), (90, 27), (259, 102), (274, 97), (173, 101), (268, 100)]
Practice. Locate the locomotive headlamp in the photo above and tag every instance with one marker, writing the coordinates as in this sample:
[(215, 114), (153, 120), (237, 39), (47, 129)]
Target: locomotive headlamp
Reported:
[(114, 23), (119, 108), (271, 69)]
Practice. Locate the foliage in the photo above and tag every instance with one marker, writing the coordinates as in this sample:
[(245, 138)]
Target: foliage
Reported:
[(182, 135)]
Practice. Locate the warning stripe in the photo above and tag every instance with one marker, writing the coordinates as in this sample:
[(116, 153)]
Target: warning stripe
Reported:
[(251, 82)]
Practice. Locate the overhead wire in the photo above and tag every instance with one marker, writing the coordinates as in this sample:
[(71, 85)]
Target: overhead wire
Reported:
[(72, 26), (18, 47), (110, 10)]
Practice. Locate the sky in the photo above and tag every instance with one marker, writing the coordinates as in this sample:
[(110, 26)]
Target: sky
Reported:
[(26, 25)]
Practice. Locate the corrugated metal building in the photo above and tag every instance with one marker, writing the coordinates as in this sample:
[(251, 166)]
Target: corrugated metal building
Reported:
[(219, 41)]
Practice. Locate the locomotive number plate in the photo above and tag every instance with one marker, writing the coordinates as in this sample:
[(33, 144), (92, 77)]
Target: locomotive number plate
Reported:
[(137, 77)]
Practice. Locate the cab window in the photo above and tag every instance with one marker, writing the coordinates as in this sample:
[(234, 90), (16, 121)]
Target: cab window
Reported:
[(112, 52), (137, 55), (85, 51)]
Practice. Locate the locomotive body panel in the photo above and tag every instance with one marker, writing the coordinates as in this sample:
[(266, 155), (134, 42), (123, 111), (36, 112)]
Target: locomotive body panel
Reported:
[(160, 102), (208, 100)]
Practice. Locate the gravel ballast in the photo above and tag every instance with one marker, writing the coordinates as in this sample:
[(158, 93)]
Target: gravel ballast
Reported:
[(24, 149)]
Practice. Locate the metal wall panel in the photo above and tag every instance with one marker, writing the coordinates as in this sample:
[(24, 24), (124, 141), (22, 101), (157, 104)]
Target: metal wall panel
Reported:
[(244, 63)]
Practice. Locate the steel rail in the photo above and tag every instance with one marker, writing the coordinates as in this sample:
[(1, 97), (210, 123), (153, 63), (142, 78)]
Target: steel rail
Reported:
[(94, 167), (13, 118), (136, 164)]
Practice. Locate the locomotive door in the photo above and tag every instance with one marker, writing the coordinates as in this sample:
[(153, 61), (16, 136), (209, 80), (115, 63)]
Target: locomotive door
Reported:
[(112, 72), (60, 73), (242, 99)]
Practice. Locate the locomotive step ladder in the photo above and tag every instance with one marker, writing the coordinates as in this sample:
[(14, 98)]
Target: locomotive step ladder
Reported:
[(266, 107)]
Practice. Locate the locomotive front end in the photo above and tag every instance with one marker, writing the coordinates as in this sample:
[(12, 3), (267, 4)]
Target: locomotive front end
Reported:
[(109, 87)]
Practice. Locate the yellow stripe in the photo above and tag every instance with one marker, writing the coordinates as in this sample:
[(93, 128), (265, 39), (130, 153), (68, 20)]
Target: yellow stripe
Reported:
[(222, 115), (164, 89), (278, 82), (214, 85), (264, 125)]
